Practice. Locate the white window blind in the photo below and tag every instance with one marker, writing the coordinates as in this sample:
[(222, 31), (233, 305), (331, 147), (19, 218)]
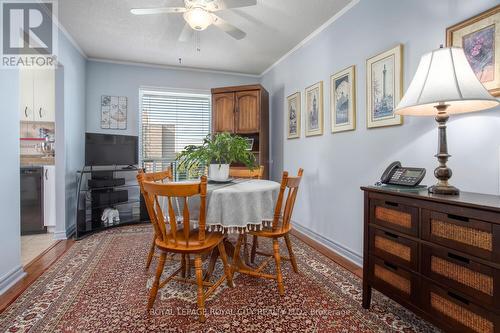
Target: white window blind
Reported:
[(169, 122)]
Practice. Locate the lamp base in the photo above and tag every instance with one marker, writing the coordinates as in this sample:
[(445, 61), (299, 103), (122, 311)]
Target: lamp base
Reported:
[(446, 190)]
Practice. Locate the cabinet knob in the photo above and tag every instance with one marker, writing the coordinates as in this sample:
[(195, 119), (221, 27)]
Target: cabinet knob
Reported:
[(26, 112), (40, 112), (46, 176)]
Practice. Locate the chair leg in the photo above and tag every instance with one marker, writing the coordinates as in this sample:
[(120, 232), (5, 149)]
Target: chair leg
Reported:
[(245, 249), (188, 266), (290, 253), (254, 249), (183, 265), (151, 253), (227, 269), (199, 279), (156, 283), (236, 255), (279, 277)]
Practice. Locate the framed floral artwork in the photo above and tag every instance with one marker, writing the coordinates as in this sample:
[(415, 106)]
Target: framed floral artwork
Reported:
[(293, 104), (343, 100), (479, 36), (314, 109), (384, 86)]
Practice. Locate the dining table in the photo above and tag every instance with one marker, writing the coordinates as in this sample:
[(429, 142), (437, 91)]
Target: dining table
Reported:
[(234, 207)]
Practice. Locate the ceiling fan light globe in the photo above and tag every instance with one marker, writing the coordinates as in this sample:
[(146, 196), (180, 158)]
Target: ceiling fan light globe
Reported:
[(198, 18)]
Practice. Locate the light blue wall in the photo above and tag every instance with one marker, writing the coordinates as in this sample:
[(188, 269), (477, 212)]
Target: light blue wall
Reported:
[(10, 230), (74, 123), (125, 80), (73, 127), (336, 165)]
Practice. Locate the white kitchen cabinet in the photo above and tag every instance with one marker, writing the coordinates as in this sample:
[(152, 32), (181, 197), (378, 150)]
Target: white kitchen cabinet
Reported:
[(49, 197), (44, 95), (37, 95), (27, 80)]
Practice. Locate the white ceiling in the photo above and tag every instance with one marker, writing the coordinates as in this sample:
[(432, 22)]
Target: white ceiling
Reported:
[(105, 29)]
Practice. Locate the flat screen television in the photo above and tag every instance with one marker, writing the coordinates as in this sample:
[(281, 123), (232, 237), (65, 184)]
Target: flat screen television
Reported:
[(107, 149)]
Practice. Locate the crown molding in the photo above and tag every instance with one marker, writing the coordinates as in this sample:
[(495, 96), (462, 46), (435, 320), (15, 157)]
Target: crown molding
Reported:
[(178, 68), (312, 35)]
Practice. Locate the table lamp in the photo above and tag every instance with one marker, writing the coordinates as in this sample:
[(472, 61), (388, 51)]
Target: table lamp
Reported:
[(444, 84)]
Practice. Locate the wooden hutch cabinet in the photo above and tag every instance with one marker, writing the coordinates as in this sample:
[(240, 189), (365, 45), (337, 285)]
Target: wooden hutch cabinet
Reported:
[(244, 110)]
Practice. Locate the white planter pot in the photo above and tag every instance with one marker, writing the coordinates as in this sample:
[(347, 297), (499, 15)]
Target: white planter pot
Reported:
[(218, 171)]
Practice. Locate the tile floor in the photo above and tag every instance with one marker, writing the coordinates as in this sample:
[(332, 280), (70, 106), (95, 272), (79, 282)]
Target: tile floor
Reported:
[(33, 245)]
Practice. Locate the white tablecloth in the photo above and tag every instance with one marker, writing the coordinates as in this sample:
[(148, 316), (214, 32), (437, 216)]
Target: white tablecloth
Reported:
[(236, 206)]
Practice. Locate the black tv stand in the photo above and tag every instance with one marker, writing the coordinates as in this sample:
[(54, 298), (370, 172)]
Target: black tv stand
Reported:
[(101, 187)]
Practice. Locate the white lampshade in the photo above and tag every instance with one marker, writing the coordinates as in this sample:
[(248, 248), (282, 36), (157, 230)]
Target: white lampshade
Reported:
[(445, 76), (198, 18)]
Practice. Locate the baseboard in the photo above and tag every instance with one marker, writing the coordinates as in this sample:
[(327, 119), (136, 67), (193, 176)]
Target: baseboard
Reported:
[(9, 279), (65, 234), (341, 250), (60, 235)]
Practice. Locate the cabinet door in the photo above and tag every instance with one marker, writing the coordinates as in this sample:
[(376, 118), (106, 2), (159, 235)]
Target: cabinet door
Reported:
[(247, 111), (223, 112), (44, 95), (26, 94), (49, 196)]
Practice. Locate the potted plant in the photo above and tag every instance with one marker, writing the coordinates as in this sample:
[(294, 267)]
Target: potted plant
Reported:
[(217, 152)]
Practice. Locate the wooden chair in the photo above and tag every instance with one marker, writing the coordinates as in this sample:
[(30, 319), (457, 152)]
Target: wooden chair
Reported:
[(280, 227), (185, 241), (161, 177), (237, 172)]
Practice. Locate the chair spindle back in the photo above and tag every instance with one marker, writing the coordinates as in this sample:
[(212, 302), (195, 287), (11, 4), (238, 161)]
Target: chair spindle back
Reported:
[(292, 185), (155, 191)]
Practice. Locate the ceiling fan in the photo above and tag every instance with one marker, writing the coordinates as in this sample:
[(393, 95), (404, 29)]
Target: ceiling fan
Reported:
[(199, 14)]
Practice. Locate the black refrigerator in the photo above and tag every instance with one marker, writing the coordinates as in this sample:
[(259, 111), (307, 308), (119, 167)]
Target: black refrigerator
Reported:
[(32, 201)]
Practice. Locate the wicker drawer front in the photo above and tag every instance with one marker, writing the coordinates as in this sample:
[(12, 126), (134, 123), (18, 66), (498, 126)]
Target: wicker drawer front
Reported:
[(460, 312), (394, 215), (394, 248), (390, 277), (478, 238), (462, 273)]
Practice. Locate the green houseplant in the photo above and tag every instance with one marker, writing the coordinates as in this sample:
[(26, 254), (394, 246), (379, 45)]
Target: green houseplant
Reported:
[(217, 152)]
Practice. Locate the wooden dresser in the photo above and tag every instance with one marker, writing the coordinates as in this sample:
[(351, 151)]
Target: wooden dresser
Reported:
[(437, 255), (244, 110)]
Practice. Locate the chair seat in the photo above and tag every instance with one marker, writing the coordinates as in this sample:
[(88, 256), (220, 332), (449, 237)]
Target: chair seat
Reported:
[(195, 246), (269, 232)]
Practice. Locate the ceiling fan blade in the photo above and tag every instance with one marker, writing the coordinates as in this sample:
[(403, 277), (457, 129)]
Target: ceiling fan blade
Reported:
[(229, 4), (228, 28), (149, 11), (186, 33)]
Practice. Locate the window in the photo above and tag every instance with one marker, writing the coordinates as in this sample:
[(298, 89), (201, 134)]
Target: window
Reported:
[(169, 122)]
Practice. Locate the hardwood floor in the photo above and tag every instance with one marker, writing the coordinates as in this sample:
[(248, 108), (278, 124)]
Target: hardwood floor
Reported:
[(350, 266), (33, 270), (41, 263)]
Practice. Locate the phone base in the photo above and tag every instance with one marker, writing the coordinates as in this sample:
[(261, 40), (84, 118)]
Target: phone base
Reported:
[(446, 190)]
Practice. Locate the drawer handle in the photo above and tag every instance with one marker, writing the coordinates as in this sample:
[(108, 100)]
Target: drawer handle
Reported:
[(392, 266), (390, 234), (458, 218), (457, 257), (390, 203), (458, 298)]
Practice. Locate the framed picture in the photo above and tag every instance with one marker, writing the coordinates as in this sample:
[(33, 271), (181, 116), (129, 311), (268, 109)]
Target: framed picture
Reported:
[(479, 36), (343, 100), (293, 106), (314, 109), (113, 112), (384, 84)]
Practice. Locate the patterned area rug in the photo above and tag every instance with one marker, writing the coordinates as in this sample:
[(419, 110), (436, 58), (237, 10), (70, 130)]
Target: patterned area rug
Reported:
[(100, 285)]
